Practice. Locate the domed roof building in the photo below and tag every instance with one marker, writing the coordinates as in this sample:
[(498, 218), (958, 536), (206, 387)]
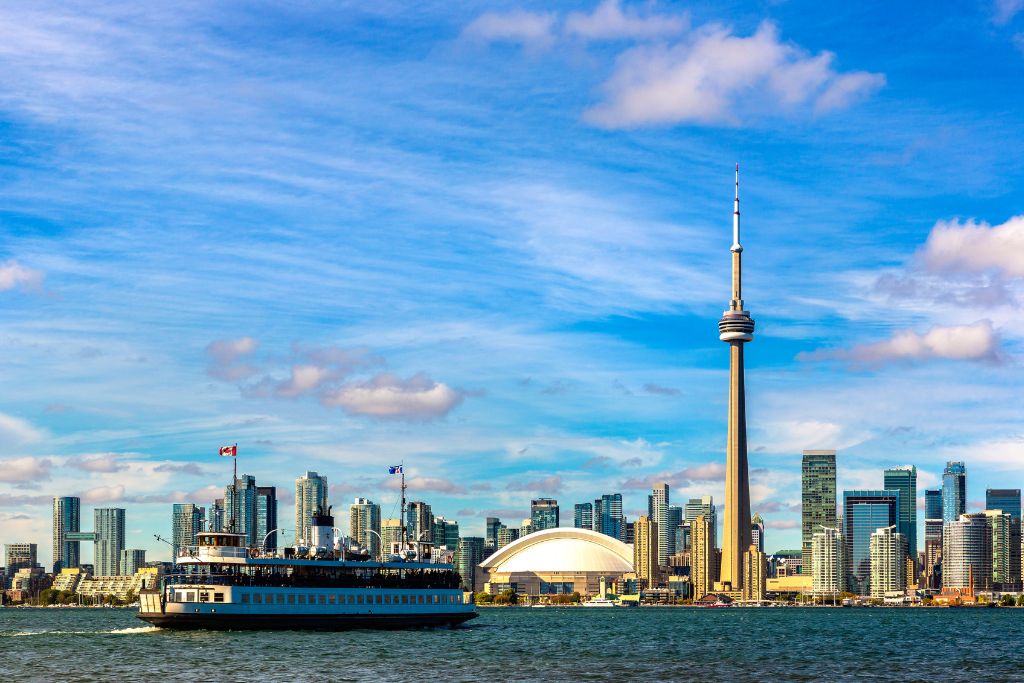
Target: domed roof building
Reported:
[(552, 561)]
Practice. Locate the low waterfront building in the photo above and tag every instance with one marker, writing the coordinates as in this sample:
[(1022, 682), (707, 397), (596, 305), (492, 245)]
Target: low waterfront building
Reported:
[(553, 561), (68, 579), (121, 587)]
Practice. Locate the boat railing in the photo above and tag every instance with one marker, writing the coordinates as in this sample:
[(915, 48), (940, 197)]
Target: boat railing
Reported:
[(439, 580)]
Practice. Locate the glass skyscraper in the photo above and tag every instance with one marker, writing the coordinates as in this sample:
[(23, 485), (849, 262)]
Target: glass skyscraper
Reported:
[(1008, 500), (583, 516), (471, 553), (240, 508), (108, 525), (818, 499), (266, 516), (864, 512), (187, 520), (675, 540), (446, 533), (608, 516), (364, 525), (544, 513), (419, 520), (491, 528), (932, 535), (66, 517), (904, 480), (954, 491)]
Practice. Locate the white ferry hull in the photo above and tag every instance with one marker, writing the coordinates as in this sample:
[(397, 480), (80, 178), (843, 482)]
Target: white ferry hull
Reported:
[(305, 622)]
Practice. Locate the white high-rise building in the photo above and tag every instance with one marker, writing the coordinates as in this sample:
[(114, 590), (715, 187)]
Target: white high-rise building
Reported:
[(828, 566), (364, 525), (967, 553), (659, 515), (310, 497), (888, 566)]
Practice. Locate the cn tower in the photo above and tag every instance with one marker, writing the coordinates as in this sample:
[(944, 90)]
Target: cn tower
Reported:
[(736, 328)]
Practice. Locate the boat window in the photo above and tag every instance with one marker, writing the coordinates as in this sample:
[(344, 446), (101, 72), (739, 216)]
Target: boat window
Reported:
[(280, 599), (387, 599), (405, 599), (437, 598), (360, 599), (322, 599), (352, 599), (291, 599), (257, 598), (218, 597), (333, 599), (302, 599), (420, 599), (379, 599), (245, 598), (190, 596), (204, 596)]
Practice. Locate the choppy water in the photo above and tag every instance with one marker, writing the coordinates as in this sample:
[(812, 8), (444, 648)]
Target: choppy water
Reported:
[(552, 644)]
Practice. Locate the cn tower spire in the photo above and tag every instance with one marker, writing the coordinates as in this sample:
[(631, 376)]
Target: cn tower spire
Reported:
[(736, 215)]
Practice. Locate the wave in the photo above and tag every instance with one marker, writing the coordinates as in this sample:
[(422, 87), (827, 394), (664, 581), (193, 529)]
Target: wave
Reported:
[(115, 631)]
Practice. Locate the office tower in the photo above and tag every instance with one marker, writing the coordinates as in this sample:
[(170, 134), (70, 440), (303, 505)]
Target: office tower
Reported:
[(608, 516), (818, 498), (66, 517), (419, 520), (933, 536), (186, 522), (131, 560), (887, 549), (310, 497), (445, 533), (628, 531), (20, 556), (954, 491), (645, 551), (863, 513), (1008, 500), (904, 480), (108, 525), (1000, 525), (757, 532), (216, 520), (828, 566), (674, 519), (736, 328), (544, 513), (967, 553), (702, 558), (658, 513), (240, 508), (470, 554), (583, 517), (491, 527), (266, 517), (705, 505), (755, 574), (506, 536), (364, 525), (391, 535)]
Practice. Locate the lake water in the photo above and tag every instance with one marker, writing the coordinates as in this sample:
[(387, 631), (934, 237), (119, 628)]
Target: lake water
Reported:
[(552, 644)]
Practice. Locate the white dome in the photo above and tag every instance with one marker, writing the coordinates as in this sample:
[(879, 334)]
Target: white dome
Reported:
[(563, 550)]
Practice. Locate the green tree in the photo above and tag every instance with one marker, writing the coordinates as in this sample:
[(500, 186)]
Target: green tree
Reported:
[(483, 598), (1020, 600), (47, 596), (1007, 601), (506, 597)]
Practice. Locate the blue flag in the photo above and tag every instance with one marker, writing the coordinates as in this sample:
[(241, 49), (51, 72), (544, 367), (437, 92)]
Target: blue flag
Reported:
[(395, 469)]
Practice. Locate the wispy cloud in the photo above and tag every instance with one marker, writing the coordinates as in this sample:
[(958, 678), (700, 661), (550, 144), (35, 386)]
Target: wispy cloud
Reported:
[(1003, 11), (14, 275), (609, 21), (388, 396), (518, 26), (25, 470)]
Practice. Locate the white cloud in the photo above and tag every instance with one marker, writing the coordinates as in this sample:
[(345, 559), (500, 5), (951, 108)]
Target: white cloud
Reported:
[(14, 275), (100, 463), (224, 356), (971, 247), (103, 494), (608, 21), (517, 26), (977, 341), (715, 77), (25, 470), (391, 397), (794, 436), (304, 378)]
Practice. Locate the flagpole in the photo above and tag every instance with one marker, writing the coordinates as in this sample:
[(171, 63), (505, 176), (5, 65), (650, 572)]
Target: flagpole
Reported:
[(405, 530)]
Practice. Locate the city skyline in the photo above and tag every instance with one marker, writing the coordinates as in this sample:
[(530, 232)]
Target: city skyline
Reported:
[(351, 253)]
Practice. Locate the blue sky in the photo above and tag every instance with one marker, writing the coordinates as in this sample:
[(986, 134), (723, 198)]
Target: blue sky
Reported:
[(491, 241)]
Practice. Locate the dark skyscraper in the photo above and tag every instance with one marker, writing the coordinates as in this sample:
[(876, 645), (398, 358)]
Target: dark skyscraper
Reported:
[(818, 498), (544, 513), (865, 512), (954, 491), (266, 516), (583, 516), (1008, 500), (932, 536), (904, 480), (608, 516), (66, 517), (492, 526)]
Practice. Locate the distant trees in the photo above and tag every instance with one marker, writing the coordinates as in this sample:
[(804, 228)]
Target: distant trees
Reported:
[(1008, 601)]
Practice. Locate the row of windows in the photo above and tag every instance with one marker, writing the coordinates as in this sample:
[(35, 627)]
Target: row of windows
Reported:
[(333, 599)]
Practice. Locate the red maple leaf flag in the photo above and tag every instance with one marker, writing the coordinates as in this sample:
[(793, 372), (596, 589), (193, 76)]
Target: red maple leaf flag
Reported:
[(229, 451)]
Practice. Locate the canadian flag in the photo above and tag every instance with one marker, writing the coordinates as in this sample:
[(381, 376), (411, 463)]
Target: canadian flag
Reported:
[(229, 451)]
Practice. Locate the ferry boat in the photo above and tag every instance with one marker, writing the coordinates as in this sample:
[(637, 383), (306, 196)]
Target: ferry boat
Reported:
[(222, 584)]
